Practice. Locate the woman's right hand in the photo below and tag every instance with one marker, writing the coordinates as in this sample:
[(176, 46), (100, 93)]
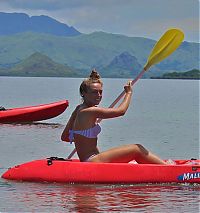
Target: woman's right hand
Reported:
[(128, 88)]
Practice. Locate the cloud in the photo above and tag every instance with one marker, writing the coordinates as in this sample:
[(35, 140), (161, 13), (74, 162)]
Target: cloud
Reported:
[(50, 5)]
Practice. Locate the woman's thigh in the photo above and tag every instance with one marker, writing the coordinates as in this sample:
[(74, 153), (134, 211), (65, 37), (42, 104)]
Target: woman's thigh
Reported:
[(120, 154)]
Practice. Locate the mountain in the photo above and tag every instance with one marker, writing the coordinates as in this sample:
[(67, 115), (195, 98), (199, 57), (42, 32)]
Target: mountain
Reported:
[(113, 54), (123, 65), (41, 66), (87, 51), (12, 23)]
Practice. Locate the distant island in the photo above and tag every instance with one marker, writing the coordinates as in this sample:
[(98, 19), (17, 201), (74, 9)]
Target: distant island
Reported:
[(192, 74)]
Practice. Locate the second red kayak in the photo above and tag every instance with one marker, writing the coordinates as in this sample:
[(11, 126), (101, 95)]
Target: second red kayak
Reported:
[(33, 113)]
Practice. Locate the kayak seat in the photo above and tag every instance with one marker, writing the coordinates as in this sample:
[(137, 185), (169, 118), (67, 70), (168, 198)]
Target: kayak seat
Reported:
[(51, 159)]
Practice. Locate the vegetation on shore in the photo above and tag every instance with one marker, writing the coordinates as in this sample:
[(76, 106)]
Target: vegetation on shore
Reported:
[(192, 74)]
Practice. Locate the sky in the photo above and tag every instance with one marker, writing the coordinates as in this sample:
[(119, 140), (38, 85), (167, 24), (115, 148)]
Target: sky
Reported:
[(143, 18)]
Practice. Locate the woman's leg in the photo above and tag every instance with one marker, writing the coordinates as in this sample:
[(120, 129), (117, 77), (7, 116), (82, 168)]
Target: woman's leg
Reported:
[(124, 154)]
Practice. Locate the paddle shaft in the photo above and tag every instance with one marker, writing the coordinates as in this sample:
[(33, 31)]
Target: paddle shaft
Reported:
[(113, 104), (72, 153)]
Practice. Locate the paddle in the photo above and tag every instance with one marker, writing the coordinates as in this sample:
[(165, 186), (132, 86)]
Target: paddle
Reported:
[(166, 45)]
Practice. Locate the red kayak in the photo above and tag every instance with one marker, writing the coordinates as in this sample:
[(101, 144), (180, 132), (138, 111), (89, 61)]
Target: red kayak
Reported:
[(33, 113), (72, 171)]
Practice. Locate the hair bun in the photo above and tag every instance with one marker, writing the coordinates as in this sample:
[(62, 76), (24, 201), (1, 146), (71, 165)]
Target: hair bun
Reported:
[(94, 75)]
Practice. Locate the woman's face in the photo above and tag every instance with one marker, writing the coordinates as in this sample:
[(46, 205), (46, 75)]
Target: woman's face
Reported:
[(93, 95)]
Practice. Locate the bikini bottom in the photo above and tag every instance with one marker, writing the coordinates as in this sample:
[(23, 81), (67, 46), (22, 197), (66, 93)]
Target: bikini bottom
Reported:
[(88, 159)]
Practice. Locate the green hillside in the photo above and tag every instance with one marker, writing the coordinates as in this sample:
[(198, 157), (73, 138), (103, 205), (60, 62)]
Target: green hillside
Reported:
[(41, 66), (93, 50)]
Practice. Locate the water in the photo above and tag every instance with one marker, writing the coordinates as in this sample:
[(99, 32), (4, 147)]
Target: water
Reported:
[(37, 197), (163, 116)]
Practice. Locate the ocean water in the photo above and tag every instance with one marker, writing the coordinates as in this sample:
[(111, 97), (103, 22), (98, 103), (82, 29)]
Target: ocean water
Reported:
[(163, 116)]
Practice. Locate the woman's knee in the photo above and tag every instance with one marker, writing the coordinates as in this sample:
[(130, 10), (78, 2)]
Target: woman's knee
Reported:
[(141, 149)]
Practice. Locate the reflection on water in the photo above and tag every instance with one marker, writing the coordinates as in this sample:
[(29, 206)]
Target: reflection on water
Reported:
[(32, 124), (97, 198)]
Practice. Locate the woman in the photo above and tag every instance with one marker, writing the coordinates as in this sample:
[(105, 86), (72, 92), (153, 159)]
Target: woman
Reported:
[(83, 129)]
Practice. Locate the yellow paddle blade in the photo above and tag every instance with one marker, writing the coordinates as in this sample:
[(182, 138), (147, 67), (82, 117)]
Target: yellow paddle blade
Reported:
[(167, 44)]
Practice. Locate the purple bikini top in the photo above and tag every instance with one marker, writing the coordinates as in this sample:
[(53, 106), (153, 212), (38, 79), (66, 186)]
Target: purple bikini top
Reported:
[(89, 133)]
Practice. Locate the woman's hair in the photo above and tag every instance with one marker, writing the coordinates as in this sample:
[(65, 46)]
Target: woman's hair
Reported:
[(93, 78)]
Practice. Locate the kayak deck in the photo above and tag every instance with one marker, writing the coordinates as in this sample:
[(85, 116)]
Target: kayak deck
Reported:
[(74, 171)]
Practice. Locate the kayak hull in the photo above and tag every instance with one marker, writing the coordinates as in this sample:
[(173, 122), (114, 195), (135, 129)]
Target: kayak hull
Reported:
[(33, 113), (73, 171)]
